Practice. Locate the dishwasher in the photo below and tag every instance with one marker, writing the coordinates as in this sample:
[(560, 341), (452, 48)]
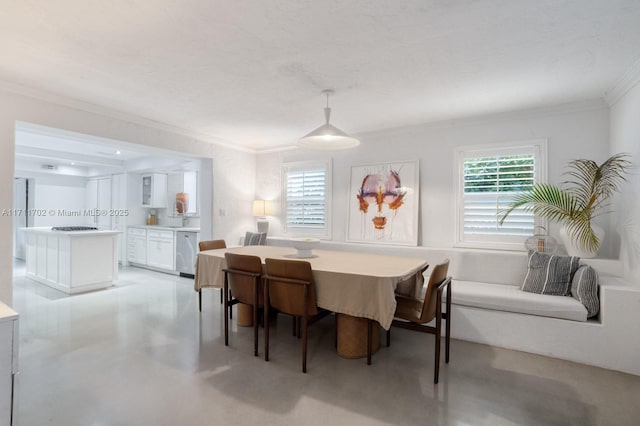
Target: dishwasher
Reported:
[(186, 252)]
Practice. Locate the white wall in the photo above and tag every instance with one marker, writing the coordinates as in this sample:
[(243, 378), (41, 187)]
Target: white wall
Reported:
[(52, 196), (625, 137), (233, 176), (573, 131)]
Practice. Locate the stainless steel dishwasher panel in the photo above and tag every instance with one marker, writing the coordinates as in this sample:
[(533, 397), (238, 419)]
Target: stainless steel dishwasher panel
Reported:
[(186, 252)]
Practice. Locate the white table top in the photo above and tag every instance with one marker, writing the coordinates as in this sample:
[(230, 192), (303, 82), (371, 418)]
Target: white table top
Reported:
[(6, 313)]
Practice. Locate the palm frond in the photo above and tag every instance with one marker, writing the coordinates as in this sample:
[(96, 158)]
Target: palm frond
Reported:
[(544, 200), (584, 174), (583, 197), (591, 183), (580, 230), (612, 175)]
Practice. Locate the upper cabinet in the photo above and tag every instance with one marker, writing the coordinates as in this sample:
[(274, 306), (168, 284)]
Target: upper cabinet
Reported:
[(154, 190), (182, 190)]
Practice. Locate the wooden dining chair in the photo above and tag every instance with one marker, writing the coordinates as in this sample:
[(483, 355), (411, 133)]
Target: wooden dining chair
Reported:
[(289, 288), (209, 245), (242, 278), (413, 313)]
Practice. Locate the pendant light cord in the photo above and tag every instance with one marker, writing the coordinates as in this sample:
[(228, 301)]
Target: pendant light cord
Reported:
[(327, 110)]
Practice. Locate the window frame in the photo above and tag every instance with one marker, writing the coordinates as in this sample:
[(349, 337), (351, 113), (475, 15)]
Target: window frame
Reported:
[(536, 146), (293, 231)]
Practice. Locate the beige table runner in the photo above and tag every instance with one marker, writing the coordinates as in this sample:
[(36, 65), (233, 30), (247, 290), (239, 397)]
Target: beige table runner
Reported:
[(357, 284)]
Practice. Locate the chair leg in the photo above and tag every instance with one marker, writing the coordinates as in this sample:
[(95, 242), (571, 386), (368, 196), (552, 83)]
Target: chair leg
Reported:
[(335, 340), (436, 369), (266, 322), (447, 341), (294, 323), (389, 337), (221, 294), (369, 338), (226, 306), (200, 300), (297, 326), (255, 318), (305, 332)]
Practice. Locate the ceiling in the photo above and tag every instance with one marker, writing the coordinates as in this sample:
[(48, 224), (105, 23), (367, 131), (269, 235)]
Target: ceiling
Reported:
[(249, 73), (83, 155)]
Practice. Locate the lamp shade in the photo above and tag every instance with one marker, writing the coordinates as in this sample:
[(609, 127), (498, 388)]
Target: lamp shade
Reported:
[(327, 136), (262, 208)]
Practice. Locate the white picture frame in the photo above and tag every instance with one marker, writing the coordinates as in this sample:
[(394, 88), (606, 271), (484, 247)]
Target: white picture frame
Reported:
[(383, 203)]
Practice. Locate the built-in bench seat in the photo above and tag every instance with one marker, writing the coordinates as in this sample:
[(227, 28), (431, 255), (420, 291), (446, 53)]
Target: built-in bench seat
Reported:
[(510, 298), (489, 307)]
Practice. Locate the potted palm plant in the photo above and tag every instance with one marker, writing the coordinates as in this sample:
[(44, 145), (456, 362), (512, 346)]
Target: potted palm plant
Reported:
[(574, 205)]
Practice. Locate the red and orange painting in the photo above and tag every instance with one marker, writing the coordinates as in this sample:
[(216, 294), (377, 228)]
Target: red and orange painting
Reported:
[(383, 203)]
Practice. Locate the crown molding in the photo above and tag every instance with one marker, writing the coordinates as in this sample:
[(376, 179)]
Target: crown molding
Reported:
[(54, 98), (275, 149), (626, 82)]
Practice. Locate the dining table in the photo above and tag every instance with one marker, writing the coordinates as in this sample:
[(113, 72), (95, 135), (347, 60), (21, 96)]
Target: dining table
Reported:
[(357, 284)]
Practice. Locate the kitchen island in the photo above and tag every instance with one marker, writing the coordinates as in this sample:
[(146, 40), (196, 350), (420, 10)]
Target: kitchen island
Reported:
[(72, 261)]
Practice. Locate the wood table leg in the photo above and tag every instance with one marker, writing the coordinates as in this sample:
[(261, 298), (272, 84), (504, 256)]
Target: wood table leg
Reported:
[(352, 333), (245, 315)]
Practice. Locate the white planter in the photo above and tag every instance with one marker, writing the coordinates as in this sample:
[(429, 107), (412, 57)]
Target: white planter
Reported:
[(573, 249)]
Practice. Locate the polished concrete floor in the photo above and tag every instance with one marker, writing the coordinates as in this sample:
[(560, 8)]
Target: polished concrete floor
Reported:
[(140, 354)]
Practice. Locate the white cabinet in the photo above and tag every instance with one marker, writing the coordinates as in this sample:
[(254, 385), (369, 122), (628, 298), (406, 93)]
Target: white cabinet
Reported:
[(160, 249), (103, 219), (72, 262), (8, 366), (151, 247), (137, 245), (91, 200), (154, 190), (119, 205), (97, 200)]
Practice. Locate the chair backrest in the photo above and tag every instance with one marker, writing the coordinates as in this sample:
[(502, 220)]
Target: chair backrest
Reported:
[(287, 280), (211, 245), (255, 239), (241, 285), (437, 277), (412, 286)]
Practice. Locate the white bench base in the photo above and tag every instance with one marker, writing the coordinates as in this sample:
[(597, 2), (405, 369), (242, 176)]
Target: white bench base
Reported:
[(610, 341)]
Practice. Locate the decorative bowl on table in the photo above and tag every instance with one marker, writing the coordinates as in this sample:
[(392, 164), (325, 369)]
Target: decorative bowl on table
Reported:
[(304, 246)]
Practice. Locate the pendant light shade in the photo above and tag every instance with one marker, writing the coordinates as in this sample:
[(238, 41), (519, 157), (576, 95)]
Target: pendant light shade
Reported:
[(327, 136)]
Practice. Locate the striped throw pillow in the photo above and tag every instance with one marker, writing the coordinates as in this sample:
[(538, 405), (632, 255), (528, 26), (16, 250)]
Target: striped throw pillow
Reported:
[(549, 274), (255, 239), (584, 288)]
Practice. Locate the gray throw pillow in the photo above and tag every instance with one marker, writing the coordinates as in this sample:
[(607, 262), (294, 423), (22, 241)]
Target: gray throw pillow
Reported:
[(584, 288), (548, 274), (255, 239)]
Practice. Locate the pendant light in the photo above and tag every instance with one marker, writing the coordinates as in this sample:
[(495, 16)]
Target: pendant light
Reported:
[(328, 137)]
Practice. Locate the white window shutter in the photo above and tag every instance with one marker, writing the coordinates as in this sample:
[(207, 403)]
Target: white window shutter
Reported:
[(490, 179), (307, 198)]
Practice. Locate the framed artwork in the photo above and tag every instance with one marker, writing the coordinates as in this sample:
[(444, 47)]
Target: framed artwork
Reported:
[(383, 203)]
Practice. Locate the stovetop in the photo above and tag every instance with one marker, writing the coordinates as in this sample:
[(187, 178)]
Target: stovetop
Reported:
[(74, 228)]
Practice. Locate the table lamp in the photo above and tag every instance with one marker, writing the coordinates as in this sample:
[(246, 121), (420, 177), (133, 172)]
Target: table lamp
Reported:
[(262, 209)]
